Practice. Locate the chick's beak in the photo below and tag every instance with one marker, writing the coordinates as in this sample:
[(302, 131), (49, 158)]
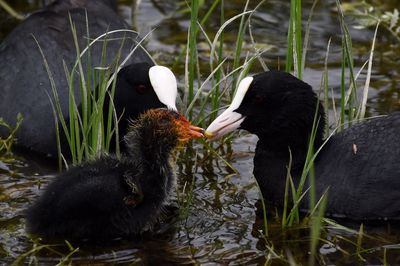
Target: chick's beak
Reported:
[(196, 132), (187, 130)]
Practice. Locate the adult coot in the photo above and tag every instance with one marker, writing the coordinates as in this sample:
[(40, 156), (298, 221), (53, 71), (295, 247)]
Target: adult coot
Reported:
[(24, 81), (360, 166), (115, 197)]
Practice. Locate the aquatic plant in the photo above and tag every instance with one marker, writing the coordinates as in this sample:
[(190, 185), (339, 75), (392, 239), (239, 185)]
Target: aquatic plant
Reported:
[(89, 131), (7, 143), (10, 10), (367, 15)]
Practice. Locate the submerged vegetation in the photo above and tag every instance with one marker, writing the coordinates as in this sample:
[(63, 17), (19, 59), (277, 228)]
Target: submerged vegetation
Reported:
[(367, 15), (208, 86), (6, 144)]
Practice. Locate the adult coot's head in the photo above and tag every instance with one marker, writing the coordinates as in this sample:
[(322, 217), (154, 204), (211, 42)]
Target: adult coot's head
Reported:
[(141, 87), (357, 166), (276, 106)]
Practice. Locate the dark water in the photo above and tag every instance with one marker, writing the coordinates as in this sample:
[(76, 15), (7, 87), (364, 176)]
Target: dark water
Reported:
[(221, 226)]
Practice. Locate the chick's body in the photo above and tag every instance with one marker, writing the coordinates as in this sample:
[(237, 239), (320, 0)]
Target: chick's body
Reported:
[(95, 200), (115, 197)]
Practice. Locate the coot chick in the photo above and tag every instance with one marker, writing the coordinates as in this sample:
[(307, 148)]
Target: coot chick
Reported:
[(359, 166), (24, 82), (115, 197)]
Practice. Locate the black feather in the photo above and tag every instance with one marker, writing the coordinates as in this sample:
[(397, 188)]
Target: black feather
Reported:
[(112, 197)]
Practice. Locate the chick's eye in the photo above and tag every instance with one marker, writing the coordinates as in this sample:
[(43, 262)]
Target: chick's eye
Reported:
[(175, 115), (164, 122), (141, 89)]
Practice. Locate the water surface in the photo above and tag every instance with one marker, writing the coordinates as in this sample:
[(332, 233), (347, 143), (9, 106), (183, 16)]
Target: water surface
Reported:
[(221, 226)]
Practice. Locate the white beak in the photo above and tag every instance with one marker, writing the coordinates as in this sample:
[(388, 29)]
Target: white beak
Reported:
[(164, 83), (229, 120)]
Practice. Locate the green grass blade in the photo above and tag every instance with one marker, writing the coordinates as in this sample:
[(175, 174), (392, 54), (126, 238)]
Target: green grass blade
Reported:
[(192, 50), (316, 227), (307, 36), (361, 114)]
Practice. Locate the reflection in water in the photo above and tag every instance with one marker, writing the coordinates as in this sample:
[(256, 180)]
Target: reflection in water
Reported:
[(221, 225)]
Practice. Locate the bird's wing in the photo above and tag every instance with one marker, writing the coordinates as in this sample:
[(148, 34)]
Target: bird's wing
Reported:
[(361, 167)]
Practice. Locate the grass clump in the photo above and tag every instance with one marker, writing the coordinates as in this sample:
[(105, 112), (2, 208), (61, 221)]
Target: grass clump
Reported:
[(367, 15), (91, 126), (209, 99), (32, 256)]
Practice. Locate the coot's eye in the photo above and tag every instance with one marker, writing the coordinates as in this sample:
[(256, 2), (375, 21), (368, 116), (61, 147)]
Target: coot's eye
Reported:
[(141, 89), (258, 99)]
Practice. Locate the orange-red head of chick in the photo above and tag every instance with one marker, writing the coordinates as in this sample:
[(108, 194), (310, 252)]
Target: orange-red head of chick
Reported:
[(159, 132)]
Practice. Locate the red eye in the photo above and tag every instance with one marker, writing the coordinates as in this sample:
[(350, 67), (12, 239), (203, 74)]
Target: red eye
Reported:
[(141, 89), (258, 99)]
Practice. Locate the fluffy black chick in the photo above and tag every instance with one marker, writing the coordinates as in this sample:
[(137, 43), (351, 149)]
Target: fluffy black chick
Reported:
[(115, 197)]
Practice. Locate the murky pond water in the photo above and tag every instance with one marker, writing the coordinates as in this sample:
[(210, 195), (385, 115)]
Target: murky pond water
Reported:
[(221, 226)]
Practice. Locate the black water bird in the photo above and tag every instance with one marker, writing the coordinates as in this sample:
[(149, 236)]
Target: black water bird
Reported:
[(359, 166), (24, 82), (115, 197)]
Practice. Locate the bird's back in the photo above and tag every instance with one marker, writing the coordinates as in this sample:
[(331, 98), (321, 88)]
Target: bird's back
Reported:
[(361, 167)]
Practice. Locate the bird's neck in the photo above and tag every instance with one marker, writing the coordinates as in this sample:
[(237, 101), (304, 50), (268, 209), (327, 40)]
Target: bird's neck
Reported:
[(281, 155), (295, 132), (156, 153), (296, 143), (271, 169), (275, 155)]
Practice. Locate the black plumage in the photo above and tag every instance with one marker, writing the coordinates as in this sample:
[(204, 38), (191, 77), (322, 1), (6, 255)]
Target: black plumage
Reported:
[(24, 81), (115, 197), (359, 166)]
